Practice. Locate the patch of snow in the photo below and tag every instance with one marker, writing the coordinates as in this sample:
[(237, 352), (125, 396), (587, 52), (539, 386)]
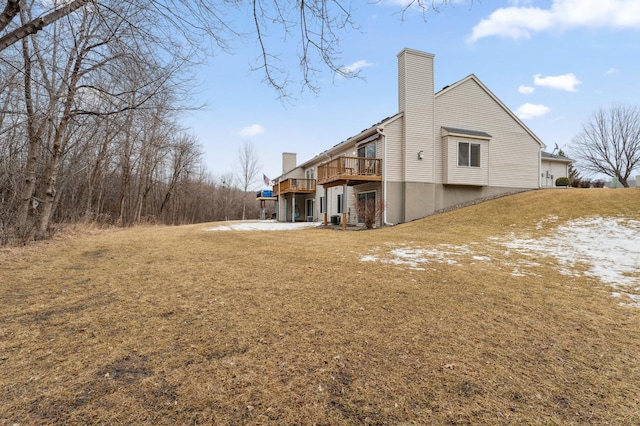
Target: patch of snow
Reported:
[(481, 258), (415, 257), (517, 273), (369, 258), (262, 225), (608, 247), (544, 222)]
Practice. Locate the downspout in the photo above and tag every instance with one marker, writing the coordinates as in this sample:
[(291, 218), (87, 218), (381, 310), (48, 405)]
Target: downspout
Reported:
[(326, 204), (539, 168), (384, 176)]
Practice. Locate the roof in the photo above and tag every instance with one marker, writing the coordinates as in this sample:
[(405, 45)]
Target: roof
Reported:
[(555, 157), (466, 132), (363, 134), (495, 98)]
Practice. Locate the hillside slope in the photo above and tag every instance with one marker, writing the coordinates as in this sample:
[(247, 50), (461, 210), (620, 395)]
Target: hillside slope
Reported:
[(442, 320)]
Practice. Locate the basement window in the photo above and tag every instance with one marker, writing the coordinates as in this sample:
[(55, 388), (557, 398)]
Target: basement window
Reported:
[(468, 154)]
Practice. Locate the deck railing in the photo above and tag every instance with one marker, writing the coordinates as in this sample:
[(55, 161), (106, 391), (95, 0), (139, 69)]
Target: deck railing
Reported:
[(350, 168), (294, 185)]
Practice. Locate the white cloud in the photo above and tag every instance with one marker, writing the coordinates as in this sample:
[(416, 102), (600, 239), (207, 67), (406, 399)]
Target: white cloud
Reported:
[(250, 131), (612, 71), (521, 21), (527, 111), (526, 90), (356, 66), (567, 82)]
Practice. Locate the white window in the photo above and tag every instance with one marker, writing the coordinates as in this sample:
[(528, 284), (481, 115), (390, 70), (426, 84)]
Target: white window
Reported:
[(310, 174), (310, 208), (323, 206), (367, 151), (468, 154)]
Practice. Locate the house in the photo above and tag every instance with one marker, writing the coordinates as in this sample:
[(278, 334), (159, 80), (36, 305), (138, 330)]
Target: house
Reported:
[(439, 150), (553, 166)]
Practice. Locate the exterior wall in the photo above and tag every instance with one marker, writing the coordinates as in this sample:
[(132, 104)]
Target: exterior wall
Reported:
[(514, 155), (429, 198), (296, 173), (552, 168), (455, 195), (393, 165), (416, 101), (289, 161), (414, 187), (395, 202), (283, 208), (452, 173), (403, 208)]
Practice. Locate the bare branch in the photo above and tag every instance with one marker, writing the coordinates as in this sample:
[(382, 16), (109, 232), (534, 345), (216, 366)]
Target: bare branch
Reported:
[(609, 143), (10, 11), (38, 24)]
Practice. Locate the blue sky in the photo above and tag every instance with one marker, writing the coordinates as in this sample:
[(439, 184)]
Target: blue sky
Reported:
[(553, 63)]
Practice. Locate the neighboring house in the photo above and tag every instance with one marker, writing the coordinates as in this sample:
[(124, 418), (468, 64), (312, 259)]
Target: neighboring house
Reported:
[(552, 167), (440, 150)]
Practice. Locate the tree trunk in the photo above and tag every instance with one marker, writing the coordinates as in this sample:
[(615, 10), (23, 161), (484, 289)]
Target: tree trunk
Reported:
[(56, 154), (33, 141)]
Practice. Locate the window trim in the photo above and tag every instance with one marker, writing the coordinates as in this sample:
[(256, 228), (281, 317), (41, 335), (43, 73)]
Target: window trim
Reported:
[(367, 150), (469, 156)]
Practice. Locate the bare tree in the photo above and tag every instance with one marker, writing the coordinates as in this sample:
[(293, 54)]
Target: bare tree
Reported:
[(13, 7), (88, 123), (316, 25), (226, 197), (185, 154), (609, 142), (248, 169)]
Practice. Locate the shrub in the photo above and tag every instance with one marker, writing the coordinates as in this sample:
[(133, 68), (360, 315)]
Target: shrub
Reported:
[(585, 183), (562, 181), (575, 182), (370, 212), (598, 183)]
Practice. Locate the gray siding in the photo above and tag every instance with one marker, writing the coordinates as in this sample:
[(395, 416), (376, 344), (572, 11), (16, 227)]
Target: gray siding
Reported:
[(394, 163), (555, 168), (514, 155), (416, 101), (457, 175)]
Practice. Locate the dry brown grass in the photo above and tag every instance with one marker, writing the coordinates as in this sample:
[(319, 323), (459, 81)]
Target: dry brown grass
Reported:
[(176, 325)]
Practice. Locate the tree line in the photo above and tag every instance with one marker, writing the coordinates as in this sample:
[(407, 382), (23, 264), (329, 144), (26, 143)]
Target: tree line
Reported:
[(90, 128), (92, 92)]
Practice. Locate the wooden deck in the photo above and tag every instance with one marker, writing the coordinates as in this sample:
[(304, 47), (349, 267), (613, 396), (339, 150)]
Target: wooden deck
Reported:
[(297, 186), (349, 171)]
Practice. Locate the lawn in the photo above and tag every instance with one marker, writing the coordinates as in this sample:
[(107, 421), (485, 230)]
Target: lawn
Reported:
[(444, 320)]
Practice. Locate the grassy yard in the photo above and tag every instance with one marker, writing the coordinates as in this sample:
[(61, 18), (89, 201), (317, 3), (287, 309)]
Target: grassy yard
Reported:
[(177, 325)]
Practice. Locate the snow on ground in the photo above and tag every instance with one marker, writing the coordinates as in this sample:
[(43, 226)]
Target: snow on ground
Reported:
[(416, 258), (608, 247), (262, 225)]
